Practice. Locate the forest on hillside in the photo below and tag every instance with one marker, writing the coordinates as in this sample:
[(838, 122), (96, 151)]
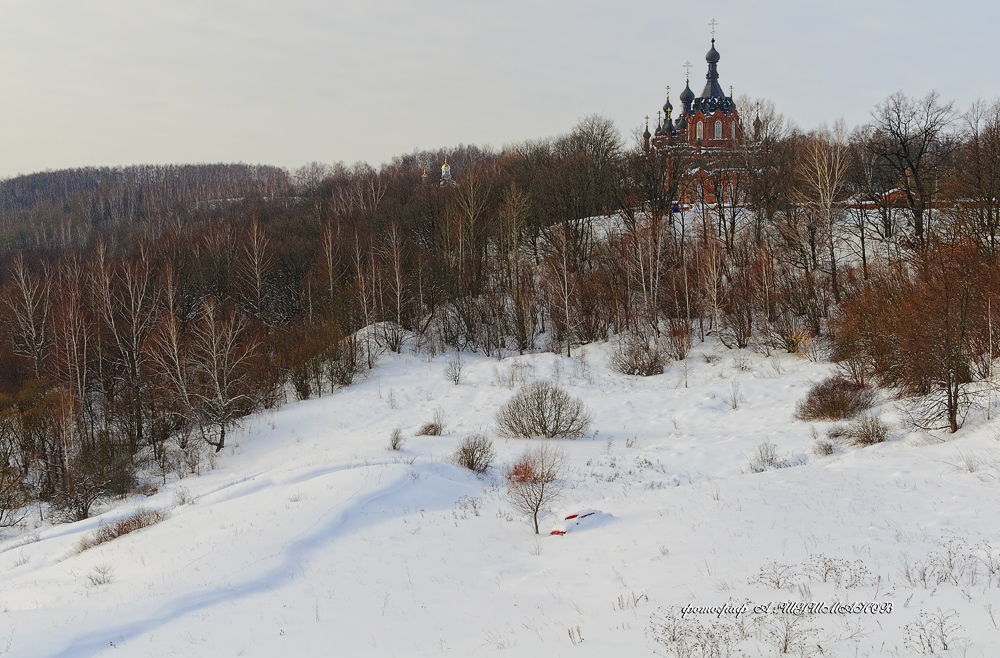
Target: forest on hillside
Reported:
[(146, 310)]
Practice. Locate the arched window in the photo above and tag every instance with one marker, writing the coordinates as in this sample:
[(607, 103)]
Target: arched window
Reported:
[(701, 131), (733, 126), (718, 130)]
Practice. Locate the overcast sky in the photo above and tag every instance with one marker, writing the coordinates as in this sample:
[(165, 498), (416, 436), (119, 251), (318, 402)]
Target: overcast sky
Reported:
[(106, 82)]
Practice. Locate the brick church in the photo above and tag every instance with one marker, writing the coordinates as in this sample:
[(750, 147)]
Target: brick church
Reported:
[(708, 121)]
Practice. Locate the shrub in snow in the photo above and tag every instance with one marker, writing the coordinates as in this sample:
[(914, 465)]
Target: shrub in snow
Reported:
[(475, 453), (12, 498), (430, 429), (824, 448), (346, 362), (103, 574), (834, 398), (765, 457), (453, 369), (865, 431), (535, 480), (637, 355), (543, 409), (396, 439), (435, 428), (136, 520)]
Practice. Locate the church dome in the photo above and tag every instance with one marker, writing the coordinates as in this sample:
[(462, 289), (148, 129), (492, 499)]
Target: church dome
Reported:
[(687, 95), (667, 107), (713, 55)]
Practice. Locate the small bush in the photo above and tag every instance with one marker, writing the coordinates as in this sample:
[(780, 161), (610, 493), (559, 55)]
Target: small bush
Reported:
[(346, 362), (514, 373), (734, 398), (765, 457), (834, 398), (638, 356), (103, 574), (138, 519), (475, 453), (434, 428), (866, 431), (396, 439), (824, 448), (543, 409), (12, 498), (453, 369)]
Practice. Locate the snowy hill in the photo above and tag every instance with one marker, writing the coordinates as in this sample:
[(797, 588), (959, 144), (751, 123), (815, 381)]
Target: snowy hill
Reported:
[(311, 538)]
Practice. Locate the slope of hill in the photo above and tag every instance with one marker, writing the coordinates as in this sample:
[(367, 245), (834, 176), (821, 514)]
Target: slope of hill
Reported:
[(309, 537)]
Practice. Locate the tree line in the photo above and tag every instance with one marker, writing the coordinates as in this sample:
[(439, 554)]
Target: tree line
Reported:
[(146, 310)]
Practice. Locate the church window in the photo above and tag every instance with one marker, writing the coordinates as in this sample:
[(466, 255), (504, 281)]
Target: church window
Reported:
[(718, 130), (733, 127), (701, 131)]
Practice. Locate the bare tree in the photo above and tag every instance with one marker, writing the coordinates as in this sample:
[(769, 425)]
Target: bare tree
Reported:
[(823, 172), (978, 173), (30, 303), (561, 282), (536, 480), (220, 357), (514, 271), (909, 135), (254, 268)]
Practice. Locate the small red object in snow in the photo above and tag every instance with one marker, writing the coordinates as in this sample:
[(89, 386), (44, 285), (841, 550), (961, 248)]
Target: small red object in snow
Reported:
[(571, 516), (558, 532)]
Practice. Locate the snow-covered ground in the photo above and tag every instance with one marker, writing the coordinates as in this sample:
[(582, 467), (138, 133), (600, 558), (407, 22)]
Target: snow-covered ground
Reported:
[(310, 538)]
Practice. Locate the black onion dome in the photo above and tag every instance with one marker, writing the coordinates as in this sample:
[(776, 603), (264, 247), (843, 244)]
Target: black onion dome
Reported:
[(713, 55), (667, 107), (687, 95), (646, 134)]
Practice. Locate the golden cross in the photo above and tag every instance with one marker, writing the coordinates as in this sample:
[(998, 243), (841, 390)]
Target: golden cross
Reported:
[(713, 23)]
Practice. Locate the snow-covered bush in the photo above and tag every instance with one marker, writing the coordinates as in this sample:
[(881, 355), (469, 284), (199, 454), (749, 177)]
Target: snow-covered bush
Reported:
[(543, 409)]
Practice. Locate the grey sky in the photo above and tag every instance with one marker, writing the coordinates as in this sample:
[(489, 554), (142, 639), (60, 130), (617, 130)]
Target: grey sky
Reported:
[(104, 82)]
